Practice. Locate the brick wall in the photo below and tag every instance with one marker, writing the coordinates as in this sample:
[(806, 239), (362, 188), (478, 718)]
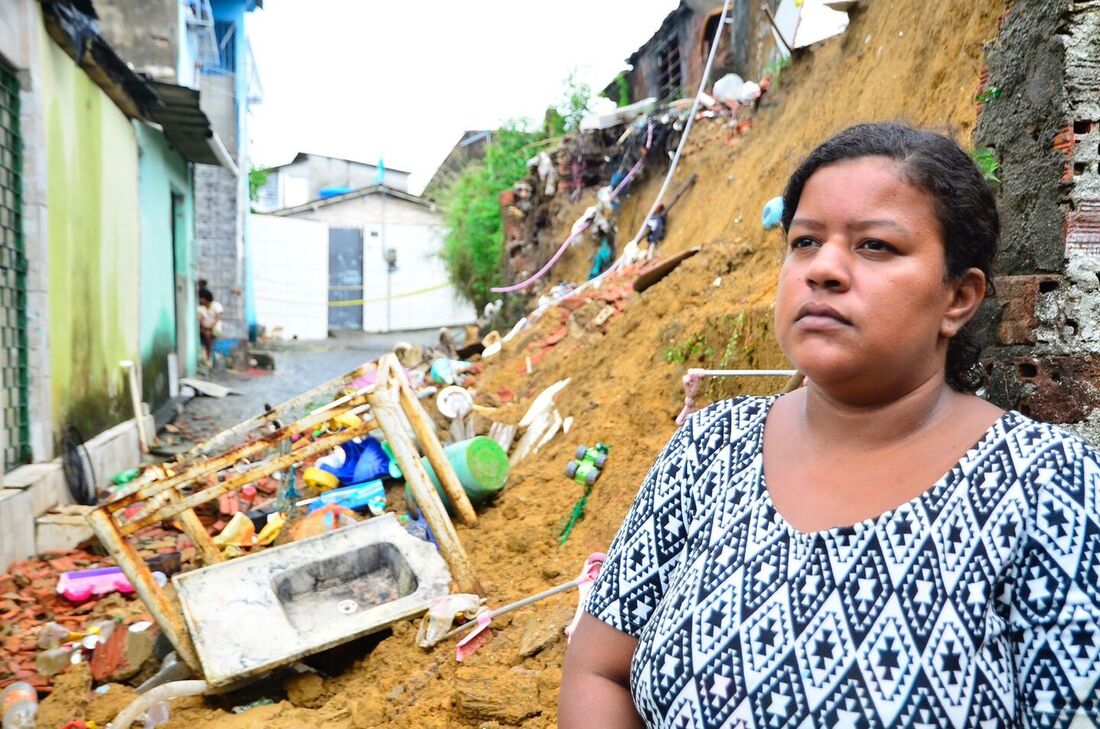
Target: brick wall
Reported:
[(1044, 128)]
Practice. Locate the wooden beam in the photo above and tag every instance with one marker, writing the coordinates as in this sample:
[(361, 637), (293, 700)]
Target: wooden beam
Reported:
[(388, 414)]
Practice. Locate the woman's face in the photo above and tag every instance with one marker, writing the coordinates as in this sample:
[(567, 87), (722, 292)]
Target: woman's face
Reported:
[(863, 307)]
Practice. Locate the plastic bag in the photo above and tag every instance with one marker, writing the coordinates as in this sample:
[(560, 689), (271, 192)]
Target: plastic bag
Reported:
[(440, 617)]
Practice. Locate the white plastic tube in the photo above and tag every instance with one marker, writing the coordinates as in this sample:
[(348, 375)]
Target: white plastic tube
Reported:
[(174, 690)]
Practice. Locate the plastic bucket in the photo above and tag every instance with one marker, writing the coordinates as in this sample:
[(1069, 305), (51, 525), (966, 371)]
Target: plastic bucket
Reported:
[(481, 466)]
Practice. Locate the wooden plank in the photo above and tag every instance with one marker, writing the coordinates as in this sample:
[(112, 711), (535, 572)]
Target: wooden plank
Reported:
[(273, 465), (165, 611), (388, 414), (433, 449)]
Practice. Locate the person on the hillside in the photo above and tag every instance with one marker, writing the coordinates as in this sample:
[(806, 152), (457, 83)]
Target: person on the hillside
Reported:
[(879, 548), (605, 254), (210, 323), (655, 226)]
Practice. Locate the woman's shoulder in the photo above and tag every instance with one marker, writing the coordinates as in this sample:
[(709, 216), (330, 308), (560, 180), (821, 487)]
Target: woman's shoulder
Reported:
[(728, 419), (1047, 456)]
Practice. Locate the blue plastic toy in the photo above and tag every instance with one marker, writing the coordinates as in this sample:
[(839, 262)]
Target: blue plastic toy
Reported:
[(773, 213), (363, 461), (369, 495)]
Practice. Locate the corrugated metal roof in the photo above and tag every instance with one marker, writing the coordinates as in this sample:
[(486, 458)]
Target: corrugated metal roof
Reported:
[(184, 123)]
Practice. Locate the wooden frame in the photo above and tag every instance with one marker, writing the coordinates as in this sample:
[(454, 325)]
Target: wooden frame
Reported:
[(390, 403)]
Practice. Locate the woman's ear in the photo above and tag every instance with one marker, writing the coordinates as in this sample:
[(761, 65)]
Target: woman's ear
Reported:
[(965, 294)]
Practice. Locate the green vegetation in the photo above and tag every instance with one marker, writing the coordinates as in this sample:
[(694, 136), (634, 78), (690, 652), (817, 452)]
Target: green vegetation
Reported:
[(984, 97), (473, 247), (257, 178), (574, 103), (776, 67), (695, 347), (623, 85), (987, 163)]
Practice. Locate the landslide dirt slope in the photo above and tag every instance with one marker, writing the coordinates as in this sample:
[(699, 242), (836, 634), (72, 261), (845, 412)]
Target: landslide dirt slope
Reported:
[(901, 59)]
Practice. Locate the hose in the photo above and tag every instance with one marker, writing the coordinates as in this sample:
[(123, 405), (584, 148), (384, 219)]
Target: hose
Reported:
[(554, 259), (627, 250), (174, 690)]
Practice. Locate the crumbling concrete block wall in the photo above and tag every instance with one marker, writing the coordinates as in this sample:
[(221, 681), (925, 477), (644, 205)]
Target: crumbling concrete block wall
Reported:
[(1044, 130), (220, 244)]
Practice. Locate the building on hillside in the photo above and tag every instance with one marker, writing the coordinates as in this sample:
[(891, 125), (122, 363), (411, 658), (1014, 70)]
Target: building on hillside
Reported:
[(314, 177), (384, 270), (670, 64), (469, 150)]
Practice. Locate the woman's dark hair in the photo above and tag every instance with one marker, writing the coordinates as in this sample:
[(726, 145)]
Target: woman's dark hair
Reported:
[(205, 295), (964, 206)]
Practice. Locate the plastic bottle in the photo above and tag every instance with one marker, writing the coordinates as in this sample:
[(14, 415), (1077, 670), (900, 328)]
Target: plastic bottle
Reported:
[(18, 706)]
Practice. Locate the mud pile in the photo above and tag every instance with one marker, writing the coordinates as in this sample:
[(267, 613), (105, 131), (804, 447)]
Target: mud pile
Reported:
[(906, 59)]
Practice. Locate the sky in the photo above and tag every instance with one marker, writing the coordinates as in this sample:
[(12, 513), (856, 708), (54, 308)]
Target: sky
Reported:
[(402, 80)]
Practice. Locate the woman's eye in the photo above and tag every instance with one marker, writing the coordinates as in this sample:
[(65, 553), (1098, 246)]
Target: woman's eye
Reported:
[(799, 243), (877, 245)]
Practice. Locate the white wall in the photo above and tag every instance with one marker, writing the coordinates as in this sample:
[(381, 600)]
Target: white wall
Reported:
[(416, 233), (290, 275)]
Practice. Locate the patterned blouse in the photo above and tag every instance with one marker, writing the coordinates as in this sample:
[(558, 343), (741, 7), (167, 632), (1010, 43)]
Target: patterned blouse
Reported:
[(976, 604)]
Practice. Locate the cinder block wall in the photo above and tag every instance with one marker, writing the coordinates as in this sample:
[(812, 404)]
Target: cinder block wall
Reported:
[(1044, 128), (219, 244)]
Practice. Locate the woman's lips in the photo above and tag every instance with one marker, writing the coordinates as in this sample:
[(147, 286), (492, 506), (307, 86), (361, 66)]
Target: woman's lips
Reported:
[(816, 316)]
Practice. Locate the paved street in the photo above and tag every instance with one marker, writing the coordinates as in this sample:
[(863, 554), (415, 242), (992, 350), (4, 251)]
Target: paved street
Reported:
[(298, 367)]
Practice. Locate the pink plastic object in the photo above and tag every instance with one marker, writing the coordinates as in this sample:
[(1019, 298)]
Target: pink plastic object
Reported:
[(478, 637), (589, 573), (81, 586), (691, 388)]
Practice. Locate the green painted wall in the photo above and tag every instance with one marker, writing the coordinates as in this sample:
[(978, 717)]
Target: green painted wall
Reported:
[(163, 173), (94, 249)]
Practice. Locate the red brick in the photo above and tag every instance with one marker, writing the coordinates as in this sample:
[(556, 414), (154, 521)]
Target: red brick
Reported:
[(1064, 387), (1018, 318), (1083, 228)]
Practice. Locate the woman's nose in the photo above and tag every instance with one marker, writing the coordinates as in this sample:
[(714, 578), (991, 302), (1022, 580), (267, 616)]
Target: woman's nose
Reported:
[(829, 267)]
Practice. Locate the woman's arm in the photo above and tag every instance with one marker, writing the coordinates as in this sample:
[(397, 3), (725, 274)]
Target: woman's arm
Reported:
[(595, 686)]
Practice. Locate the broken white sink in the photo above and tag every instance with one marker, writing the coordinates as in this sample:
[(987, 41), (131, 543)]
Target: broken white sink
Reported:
[(268, 609)]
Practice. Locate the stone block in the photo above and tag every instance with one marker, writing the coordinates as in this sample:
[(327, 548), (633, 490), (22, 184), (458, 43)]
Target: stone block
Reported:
[(63, 530), (16, 526), (45, 482), (484, 694)]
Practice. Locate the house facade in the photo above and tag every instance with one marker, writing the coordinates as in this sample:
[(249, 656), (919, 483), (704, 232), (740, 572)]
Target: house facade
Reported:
[(384, 271), (670, 64), (96, 221)]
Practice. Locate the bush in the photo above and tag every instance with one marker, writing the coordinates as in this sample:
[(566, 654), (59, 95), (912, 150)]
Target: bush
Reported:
[(473, 248)]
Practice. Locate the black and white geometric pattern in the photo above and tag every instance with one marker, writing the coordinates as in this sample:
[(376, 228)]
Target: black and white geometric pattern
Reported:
[(976, 604)]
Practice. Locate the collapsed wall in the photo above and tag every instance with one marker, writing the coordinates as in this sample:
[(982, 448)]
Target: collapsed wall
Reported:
[(1044, 128)]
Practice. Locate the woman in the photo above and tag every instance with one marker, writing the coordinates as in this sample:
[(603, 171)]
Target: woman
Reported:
[(879, 548), (210, 323)]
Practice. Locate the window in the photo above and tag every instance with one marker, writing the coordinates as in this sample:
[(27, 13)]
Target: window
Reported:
[(226, 33), (14, 425), (669, 79)]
